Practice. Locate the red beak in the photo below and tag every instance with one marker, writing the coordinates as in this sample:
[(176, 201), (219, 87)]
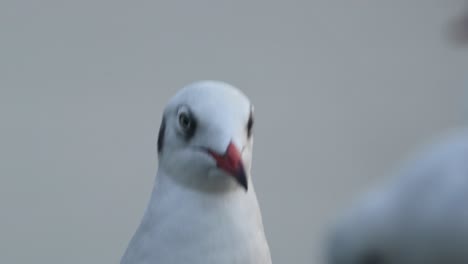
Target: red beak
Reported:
[(231, 162)]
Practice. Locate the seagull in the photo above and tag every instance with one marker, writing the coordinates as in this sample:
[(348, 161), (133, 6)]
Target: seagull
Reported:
[(203, 207), (419, 216)]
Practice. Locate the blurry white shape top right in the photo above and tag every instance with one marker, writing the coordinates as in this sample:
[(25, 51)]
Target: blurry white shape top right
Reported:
[(420, 216)]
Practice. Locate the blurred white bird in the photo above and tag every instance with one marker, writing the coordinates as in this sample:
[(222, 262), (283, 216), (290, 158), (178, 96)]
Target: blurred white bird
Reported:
[(203, 208), (421, 216)]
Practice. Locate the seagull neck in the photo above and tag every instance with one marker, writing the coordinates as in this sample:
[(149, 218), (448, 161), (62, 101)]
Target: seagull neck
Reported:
[(168, 193), (222, 187), (207, 183)]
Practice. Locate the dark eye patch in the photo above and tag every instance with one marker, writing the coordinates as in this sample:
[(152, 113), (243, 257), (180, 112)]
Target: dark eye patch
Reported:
[(188, 123), (250, 125)]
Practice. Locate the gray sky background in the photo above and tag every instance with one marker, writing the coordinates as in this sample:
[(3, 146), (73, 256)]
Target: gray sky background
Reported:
[(342, 91)]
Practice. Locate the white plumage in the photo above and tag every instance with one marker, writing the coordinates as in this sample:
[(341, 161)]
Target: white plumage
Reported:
[(203, 208)]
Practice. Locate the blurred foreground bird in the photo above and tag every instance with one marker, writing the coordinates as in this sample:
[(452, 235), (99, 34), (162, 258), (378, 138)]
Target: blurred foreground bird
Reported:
[(203, 208), (420, 217)]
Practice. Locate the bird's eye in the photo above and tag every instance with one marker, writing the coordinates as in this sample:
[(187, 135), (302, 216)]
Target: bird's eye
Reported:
[(185, 121), (250, 125)]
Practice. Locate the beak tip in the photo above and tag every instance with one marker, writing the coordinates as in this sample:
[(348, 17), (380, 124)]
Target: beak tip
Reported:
[(242, 180), (241, 177)]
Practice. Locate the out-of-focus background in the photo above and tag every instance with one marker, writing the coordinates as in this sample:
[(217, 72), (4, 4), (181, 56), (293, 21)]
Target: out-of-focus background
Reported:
[(343, 90)]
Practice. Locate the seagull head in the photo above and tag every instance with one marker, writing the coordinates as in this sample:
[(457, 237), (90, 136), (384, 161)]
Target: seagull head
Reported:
[(205, 139)]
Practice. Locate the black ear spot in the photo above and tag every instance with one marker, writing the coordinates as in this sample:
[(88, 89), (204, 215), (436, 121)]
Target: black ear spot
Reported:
[(162, 129), (250, 125)]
